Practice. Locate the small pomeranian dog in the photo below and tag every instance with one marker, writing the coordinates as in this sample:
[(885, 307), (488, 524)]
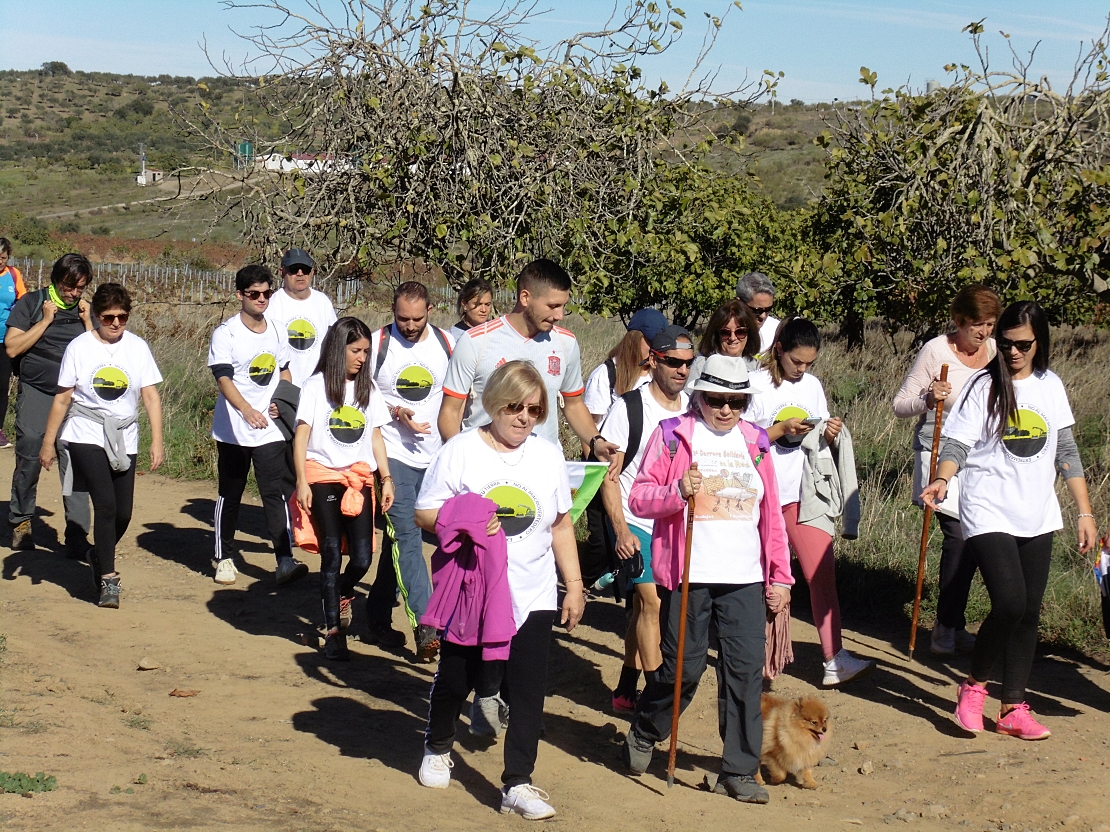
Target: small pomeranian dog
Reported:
[(795, 733)]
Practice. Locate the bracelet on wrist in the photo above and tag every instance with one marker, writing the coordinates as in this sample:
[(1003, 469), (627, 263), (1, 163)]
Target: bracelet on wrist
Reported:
[(572, 581), (940, 479), (1084, 514)]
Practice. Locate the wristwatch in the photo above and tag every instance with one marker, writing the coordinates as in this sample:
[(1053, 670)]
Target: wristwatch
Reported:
[(594, 442)]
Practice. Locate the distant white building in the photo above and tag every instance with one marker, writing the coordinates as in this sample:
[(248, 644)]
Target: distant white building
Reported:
[(149, 176)]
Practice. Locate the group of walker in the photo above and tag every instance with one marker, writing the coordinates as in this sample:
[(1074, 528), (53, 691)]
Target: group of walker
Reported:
[(727, 455)]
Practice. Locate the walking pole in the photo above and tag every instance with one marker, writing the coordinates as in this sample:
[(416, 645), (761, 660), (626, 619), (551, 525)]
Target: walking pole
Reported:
[(676, 707), (928, 517)]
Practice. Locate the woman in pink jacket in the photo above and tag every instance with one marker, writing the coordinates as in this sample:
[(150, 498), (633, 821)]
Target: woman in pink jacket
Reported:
[(739, 567)]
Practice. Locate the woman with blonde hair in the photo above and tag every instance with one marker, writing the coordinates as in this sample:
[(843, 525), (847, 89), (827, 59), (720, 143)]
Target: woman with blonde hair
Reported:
[(625, 368)]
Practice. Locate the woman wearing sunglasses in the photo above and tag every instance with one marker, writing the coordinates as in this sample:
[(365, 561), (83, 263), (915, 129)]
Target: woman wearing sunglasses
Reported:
[(1008, 436), (103, 375), (727, 334), (739, 567), (526, 476), (793, 406)]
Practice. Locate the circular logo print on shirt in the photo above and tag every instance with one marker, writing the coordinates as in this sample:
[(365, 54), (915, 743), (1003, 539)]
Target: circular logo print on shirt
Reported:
[(1025, 436), (789, 411), (414, 383), (109, 383), (302, 334), (516, 509), (346, 425), (263, 367)]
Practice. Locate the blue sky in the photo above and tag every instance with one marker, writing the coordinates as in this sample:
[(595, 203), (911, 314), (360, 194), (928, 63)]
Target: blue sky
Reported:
[(819, 44)]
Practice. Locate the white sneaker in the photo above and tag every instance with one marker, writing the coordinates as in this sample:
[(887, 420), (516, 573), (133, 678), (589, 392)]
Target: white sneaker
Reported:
[(226, 572), (943, 640), (527, 801), (435, 769), (487, 716), (843, 667)]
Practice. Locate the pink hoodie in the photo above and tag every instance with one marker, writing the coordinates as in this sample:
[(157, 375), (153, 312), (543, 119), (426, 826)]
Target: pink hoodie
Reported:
[(655, 495)]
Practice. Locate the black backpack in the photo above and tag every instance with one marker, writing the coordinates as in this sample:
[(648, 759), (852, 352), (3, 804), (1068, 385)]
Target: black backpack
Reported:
[(386, 337), (36, 316)]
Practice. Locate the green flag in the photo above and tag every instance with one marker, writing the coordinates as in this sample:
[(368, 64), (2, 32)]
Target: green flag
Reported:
[(585, 480)]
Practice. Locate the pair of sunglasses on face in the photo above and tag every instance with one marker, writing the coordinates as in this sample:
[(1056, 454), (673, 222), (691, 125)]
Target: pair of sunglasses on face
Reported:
[(1004, 346), (298, 270), (111, 319), (718, 402), (255, 294), (760, 310), (515, 408), (729, 334), (673, 362)]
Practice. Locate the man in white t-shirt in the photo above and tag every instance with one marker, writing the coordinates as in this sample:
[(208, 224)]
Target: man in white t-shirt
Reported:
[(629, 424), (757, 291), (530, 333), (301, 313), (410, 359), (248, 356)]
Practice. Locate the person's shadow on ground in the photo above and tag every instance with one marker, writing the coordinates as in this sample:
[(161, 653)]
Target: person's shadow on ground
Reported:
[(47, 561), (194, 548)]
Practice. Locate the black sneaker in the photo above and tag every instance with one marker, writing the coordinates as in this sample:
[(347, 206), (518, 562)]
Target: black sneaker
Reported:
[(427, 643), (289, 570), (109, 593), (335, 648), (636, 752), (93, 561), (383, 636), (741, 787)]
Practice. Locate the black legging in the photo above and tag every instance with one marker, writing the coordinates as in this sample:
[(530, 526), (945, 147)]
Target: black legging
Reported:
[(957, 568), (333, 525), (1015, 571), (112, 493)]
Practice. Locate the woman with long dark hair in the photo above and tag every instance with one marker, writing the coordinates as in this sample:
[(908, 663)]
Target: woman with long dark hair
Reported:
[(475, 305), (1008, 436), (336, 450), (733, 331)]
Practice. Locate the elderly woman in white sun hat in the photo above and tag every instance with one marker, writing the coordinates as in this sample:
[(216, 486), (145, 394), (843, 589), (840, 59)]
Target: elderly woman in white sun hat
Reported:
[(739, 567)]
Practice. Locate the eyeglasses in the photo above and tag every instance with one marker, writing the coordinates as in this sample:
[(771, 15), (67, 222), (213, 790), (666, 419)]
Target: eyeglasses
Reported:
[(514, 408), (111, 319), (718, 402), (1023, 347), (299, 270), (760, 310), (728, 334), (255, 294), (673, 362)]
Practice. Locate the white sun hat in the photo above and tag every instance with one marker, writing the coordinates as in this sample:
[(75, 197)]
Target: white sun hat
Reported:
[(725, 374)]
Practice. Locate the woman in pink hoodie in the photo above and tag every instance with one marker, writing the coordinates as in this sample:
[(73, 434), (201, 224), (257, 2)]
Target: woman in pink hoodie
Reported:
[(739, 567)]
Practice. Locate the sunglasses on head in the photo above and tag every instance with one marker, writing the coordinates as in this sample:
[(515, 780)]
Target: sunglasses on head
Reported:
[(111, 319), (673, 362), (760, 310), (1023, 347), (718, 402), (299, 270), (728, 334), (534, 410), (255, 294)]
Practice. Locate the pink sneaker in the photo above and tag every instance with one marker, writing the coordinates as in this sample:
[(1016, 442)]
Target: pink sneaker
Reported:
[(1020, 723), (623, 704), (969, 707)]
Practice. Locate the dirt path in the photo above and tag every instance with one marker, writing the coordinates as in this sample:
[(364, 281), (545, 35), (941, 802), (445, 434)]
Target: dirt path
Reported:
[(279, 739)]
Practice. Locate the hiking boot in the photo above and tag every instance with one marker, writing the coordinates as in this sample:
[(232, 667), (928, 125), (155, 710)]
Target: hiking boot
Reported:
[(4, 441), (346, 616), (487, 714), (1020, 723), (969, 706), (741, 787), (965, 641), (843, 667), (624, 704), (289, 570), (527, 801), (94, 563), (109, 593), (435, 769), (335, 648), (383, 636), (636, 752), (943, 640), (21, 537), (226, 573), (427, 643)]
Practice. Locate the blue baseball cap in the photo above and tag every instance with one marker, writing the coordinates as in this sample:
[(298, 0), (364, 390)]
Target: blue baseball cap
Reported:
[(650, 322)]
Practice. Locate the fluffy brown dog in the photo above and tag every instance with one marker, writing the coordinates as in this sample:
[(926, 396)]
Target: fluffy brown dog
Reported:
[(795, 733)]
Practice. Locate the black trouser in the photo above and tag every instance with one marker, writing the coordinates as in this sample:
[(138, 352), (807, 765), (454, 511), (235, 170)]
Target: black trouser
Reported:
[(740, 613), (113, 496), (275, 483), (5, 384), (333, 526), (957, 568), (1015, 571), (461, 671)]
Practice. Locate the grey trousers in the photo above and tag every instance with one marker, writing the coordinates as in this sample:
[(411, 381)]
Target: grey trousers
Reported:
[(32, 407), (740, 613)]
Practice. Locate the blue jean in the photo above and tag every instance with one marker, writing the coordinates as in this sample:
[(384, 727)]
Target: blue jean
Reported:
[(402, 563)]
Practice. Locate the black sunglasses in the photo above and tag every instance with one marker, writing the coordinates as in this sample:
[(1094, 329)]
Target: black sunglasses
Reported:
[(1023, 347), (760, 310), (299, 270), (255, 294), (718, 402), (534, 410), (111, 319), (673, 362)]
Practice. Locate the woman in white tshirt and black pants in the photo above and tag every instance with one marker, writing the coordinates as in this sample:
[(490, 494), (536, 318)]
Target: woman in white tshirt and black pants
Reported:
[(103, 375), (1008, 436)]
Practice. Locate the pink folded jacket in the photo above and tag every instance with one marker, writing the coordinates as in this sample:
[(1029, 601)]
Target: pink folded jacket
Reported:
[(471, 602)]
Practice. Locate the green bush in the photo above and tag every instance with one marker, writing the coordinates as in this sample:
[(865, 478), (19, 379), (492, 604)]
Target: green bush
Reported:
[(20, 783)]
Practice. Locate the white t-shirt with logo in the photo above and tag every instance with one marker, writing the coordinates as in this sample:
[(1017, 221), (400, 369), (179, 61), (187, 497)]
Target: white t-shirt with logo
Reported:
[(256, 359), (726, 546), (108, 378), (341, 436), (304, 323), (1007, 485), (412, 377), (767, 331), (599, 397), (802, 399), (487, 346), (531, 487), (615, 429)]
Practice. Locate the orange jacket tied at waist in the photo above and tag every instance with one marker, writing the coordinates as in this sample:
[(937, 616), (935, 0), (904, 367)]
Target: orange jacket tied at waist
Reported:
[(356, 478)]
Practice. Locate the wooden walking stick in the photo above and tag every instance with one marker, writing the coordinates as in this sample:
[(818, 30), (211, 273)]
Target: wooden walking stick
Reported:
[(928, 516), (676, 707)]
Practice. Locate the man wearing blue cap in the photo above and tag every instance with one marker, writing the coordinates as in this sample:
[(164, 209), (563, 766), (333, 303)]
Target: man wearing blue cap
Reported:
[(301, 313)]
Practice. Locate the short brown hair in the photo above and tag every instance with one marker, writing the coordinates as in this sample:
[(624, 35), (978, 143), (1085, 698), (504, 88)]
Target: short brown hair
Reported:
[(512, 383), (110, 296), (69, 269), (412, 290), (975, 303)]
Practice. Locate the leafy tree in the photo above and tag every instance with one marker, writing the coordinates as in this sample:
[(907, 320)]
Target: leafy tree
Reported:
[(55, 68)]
